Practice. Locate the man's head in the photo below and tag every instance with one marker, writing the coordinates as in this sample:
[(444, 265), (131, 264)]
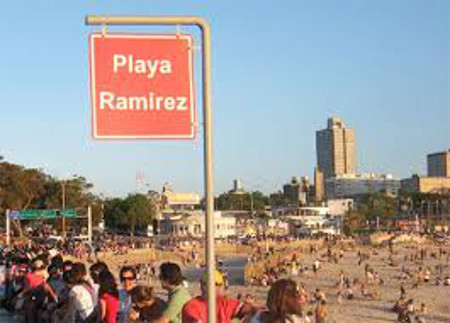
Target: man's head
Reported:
[(142, 296), (128, 278), (55, 270), (170, 275), (37, 265), (78, 272), (96, 269)]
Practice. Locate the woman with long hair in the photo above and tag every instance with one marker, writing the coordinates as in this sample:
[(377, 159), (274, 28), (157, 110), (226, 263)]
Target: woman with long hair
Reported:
[(283, 304), (109, 297)]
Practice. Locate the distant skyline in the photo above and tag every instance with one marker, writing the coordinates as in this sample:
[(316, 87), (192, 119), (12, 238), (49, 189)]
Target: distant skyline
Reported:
[(279, 72)]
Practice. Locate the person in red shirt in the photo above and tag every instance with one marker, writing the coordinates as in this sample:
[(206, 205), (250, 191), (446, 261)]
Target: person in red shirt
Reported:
[(37, 275), (109, 297), (196, 310)]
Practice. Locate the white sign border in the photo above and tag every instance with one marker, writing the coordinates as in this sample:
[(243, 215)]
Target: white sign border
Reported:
[(93, 96)]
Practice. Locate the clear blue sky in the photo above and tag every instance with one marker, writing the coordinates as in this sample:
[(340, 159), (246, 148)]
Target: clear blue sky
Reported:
[(280, 69)]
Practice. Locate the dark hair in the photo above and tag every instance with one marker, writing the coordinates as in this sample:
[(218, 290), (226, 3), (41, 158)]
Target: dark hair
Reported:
[(68, 278), (96, 269), (54, 268), (57, 260), (67, 265), (171, 273), (79, 273), (107, 284), (282, 301), (141, 293), (127, 269)]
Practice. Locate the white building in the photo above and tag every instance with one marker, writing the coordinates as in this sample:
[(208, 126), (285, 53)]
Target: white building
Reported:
[(300, 211), (192, 224), (348, 185), (315, 224), (310, 220), (339, 207)]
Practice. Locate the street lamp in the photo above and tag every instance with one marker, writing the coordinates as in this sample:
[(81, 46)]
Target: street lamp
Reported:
[(63, 207)]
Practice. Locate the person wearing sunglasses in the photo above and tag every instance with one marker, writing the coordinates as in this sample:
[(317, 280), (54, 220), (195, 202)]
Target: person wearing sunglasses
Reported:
[(128, 280)]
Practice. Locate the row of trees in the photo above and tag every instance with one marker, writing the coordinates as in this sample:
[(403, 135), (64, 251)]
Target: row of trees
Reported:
[(24, 188), (246, 201), (253, 201), (134, 211), (382, 206)]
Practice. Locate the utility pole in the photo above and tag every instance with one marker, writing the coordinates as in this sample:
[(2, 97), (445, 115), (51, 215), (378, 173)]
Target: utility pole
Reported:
[(207, 127), (90, 226), (63, 207)]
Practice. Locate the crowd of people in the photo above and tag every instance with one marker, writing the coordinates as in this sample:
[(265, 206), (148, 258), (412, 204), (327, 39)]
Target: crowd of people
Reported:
[(41, 285), (44, 288), (411, 265)]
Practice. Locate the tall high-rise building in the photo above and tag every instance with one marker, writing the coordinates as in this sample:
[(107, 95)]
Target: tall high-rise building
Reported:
[(335, 149), (319, 185), (439, 164)]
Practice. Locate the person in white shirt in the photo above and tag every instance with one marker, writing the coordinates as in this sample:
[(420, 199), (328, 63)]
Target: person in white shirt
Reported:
[(83, 298)]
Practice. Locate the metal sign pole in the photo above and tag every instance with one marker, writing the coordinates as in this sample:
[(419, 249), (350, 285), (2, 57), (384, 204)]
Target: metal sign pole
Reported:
[(89, 215), (63, 206), (207, 127)]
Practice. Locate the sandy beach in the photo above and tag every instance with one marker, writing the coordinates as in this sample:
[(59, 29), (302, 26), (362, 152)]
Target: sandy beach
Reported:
[(358, 310)]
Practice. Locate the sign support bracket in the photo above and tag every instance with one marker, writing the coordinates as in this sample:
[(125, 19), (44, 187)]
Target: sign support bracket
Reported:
[(207, 129)]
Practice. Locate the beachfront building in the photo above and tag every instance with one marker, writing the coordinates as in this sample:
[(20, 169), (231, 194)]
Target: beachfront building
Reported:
[(339, 207), (425, 184), (309, 220), (351, 185), (407, 224), (308, 225), (192, 224), (272, 227), (285, 211)]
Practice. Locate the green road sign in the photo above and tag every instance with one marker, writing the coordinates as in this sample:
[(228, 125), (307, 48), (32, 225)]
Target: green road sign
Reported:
[(44, 214)]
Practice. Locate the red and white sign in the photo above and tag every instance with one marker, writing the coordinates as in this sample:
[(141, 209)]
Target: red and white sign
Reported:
[(142, 86)]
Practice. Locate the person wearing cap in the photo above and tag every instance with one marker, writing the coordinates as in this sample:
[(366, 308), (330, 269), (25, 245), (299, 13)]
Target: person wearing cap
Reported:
[(196, 310), (172, 280)]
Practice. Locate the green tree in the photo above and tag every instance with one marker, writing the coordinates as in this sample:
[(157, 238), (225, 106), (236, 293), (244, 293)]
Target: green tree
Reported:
[(354, 219), (372, 206), (279, 200), (115, 213), (140, 211), (248, 201), (20, 188), (134, 211)]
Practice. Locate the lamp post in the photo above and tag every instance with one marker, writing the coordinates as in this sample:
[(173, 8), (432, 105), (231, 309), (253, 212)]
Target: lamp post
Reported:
[(63, 207)]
